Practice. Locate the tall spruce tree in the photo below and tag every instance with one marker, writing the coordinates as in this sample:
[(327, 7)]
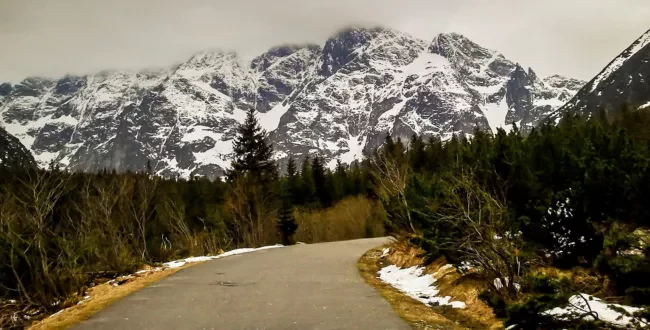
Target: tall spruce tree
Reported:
[(320, 182), (293, 182), (341, 181), (253, 154), (307, 186), (254, 202), (287, 224)]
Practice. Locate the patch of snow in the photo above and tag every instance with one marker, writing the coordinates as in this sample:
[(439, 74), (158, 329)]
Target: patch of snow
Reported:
[(45, 158), (496, 113), (647, 105), (218, 155), (387, 119), (416, 285), (175, 264), (488, 90), (182, 262), (497, 284), (465, 266), (270, 120), (554, 102), (355, 149), (199, 132), (57, 313), (583, 303)]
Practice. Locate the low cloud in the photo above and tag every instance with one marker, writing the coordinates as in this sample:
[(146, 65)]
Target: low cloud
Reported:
[(51, 38)]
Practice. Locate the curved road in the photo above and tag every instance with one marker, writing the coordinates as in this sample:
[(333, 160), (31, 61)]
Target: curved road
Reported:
[(312, 286)]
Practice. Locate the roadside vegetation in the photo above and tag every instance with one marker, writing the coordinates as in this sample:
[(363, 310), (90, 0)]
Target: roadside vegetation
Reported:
[(476, 315), (531, 220), (62, 233), (536, 219)]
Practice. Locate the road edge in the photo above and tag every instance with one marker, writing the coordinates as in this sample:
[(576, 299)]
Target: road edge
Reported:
[(413, 312)]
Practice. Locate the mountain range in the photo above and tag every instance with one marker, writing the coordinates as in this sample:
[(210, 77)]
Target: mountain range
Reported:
[(337, 100)]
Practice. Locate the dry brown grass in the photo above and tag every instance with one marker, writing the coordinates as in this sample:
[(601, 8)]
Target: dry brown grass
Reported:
[(353, 217), (477, 315), (101, 297), (582, 280)]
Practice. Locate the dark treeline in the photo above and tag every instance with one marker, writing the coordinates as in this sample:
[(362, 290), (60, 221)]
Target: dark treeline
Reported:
[(569, 195), (505, 205), (59, 231)]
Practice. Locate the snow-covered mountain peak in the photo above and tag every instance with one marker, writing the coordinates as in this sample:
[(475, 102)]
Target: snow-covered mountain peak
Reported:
[(263, 62), (558, 81), (338, 101), (459, 49)]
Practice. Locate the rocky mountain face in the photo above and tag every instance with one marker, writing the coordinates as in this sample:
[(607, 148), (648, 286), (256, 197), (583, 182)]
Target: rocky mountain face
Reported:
[(12, 153), (338, 100), (626, 80)]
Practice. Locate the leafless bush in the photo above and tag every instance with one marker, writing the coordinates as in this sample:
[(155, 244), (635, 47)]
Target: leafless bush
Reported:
[(254, 213), (41, 274), (391, 173), (478, 233)]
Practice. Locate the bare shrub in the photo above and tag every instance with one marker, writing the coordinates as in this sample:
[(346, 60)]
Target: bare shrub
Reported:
[(476, 232), (254, 213), (391, 172), (44, 265)]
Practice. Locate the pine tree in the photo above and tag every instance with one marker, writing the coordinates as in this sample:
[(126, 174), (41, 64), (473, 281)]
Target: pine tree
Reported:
[(341, 181), (307, 189), (287, 224), (293, 182), (417, 154), (356, 179), (320, 182), (253, 155)]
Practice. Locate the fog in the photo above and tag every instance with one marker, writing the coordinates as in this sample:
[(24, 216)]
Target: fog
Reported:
[(51, 38)]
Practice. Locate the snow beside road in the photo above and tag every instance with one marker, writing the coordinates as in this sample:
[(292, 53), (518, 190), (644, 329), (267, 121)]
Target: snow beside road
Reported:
[(182, 262), (602, 310), (417, 285)]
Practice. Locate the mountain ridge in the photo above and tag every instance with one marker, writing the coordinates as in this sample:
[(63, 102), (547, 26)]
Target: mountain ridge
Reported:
[(338, 100), (625, 80)]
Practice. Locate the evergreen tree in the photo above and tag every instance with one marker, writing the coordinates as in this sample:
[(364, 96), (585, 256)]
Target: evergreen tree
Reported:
[(357, 179), (341, 182), (320, 182), (293, 182), (417, 153), (287, 224), (308, 189), (253, 155)]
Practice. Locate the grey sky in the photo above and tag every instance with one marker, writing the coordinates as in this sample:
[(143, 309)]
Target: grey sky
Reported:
[(54, 37)]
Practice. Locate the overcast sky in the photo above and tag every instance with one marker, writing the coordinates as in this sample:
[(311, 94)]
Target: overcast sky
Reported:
[(45, 37)]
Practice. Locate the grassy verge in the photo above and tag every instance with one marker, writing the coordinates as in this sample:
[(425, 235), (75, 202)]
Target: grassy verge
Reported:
[(101, 296), (418, 315)]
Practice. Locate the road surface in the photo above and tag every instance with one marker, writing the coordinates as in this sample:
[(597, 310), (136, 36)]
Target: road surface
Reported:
[(311, 286)]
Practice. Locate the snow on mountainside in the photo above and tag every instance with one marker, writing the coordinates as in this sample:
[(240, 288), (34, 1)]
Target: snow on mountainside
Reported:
[(338, 101), (626, 80), (12, 153)]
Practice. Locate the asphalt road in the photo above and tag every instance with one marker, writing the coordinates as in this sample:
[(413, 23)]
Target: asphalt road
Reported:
[(312, 286)]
